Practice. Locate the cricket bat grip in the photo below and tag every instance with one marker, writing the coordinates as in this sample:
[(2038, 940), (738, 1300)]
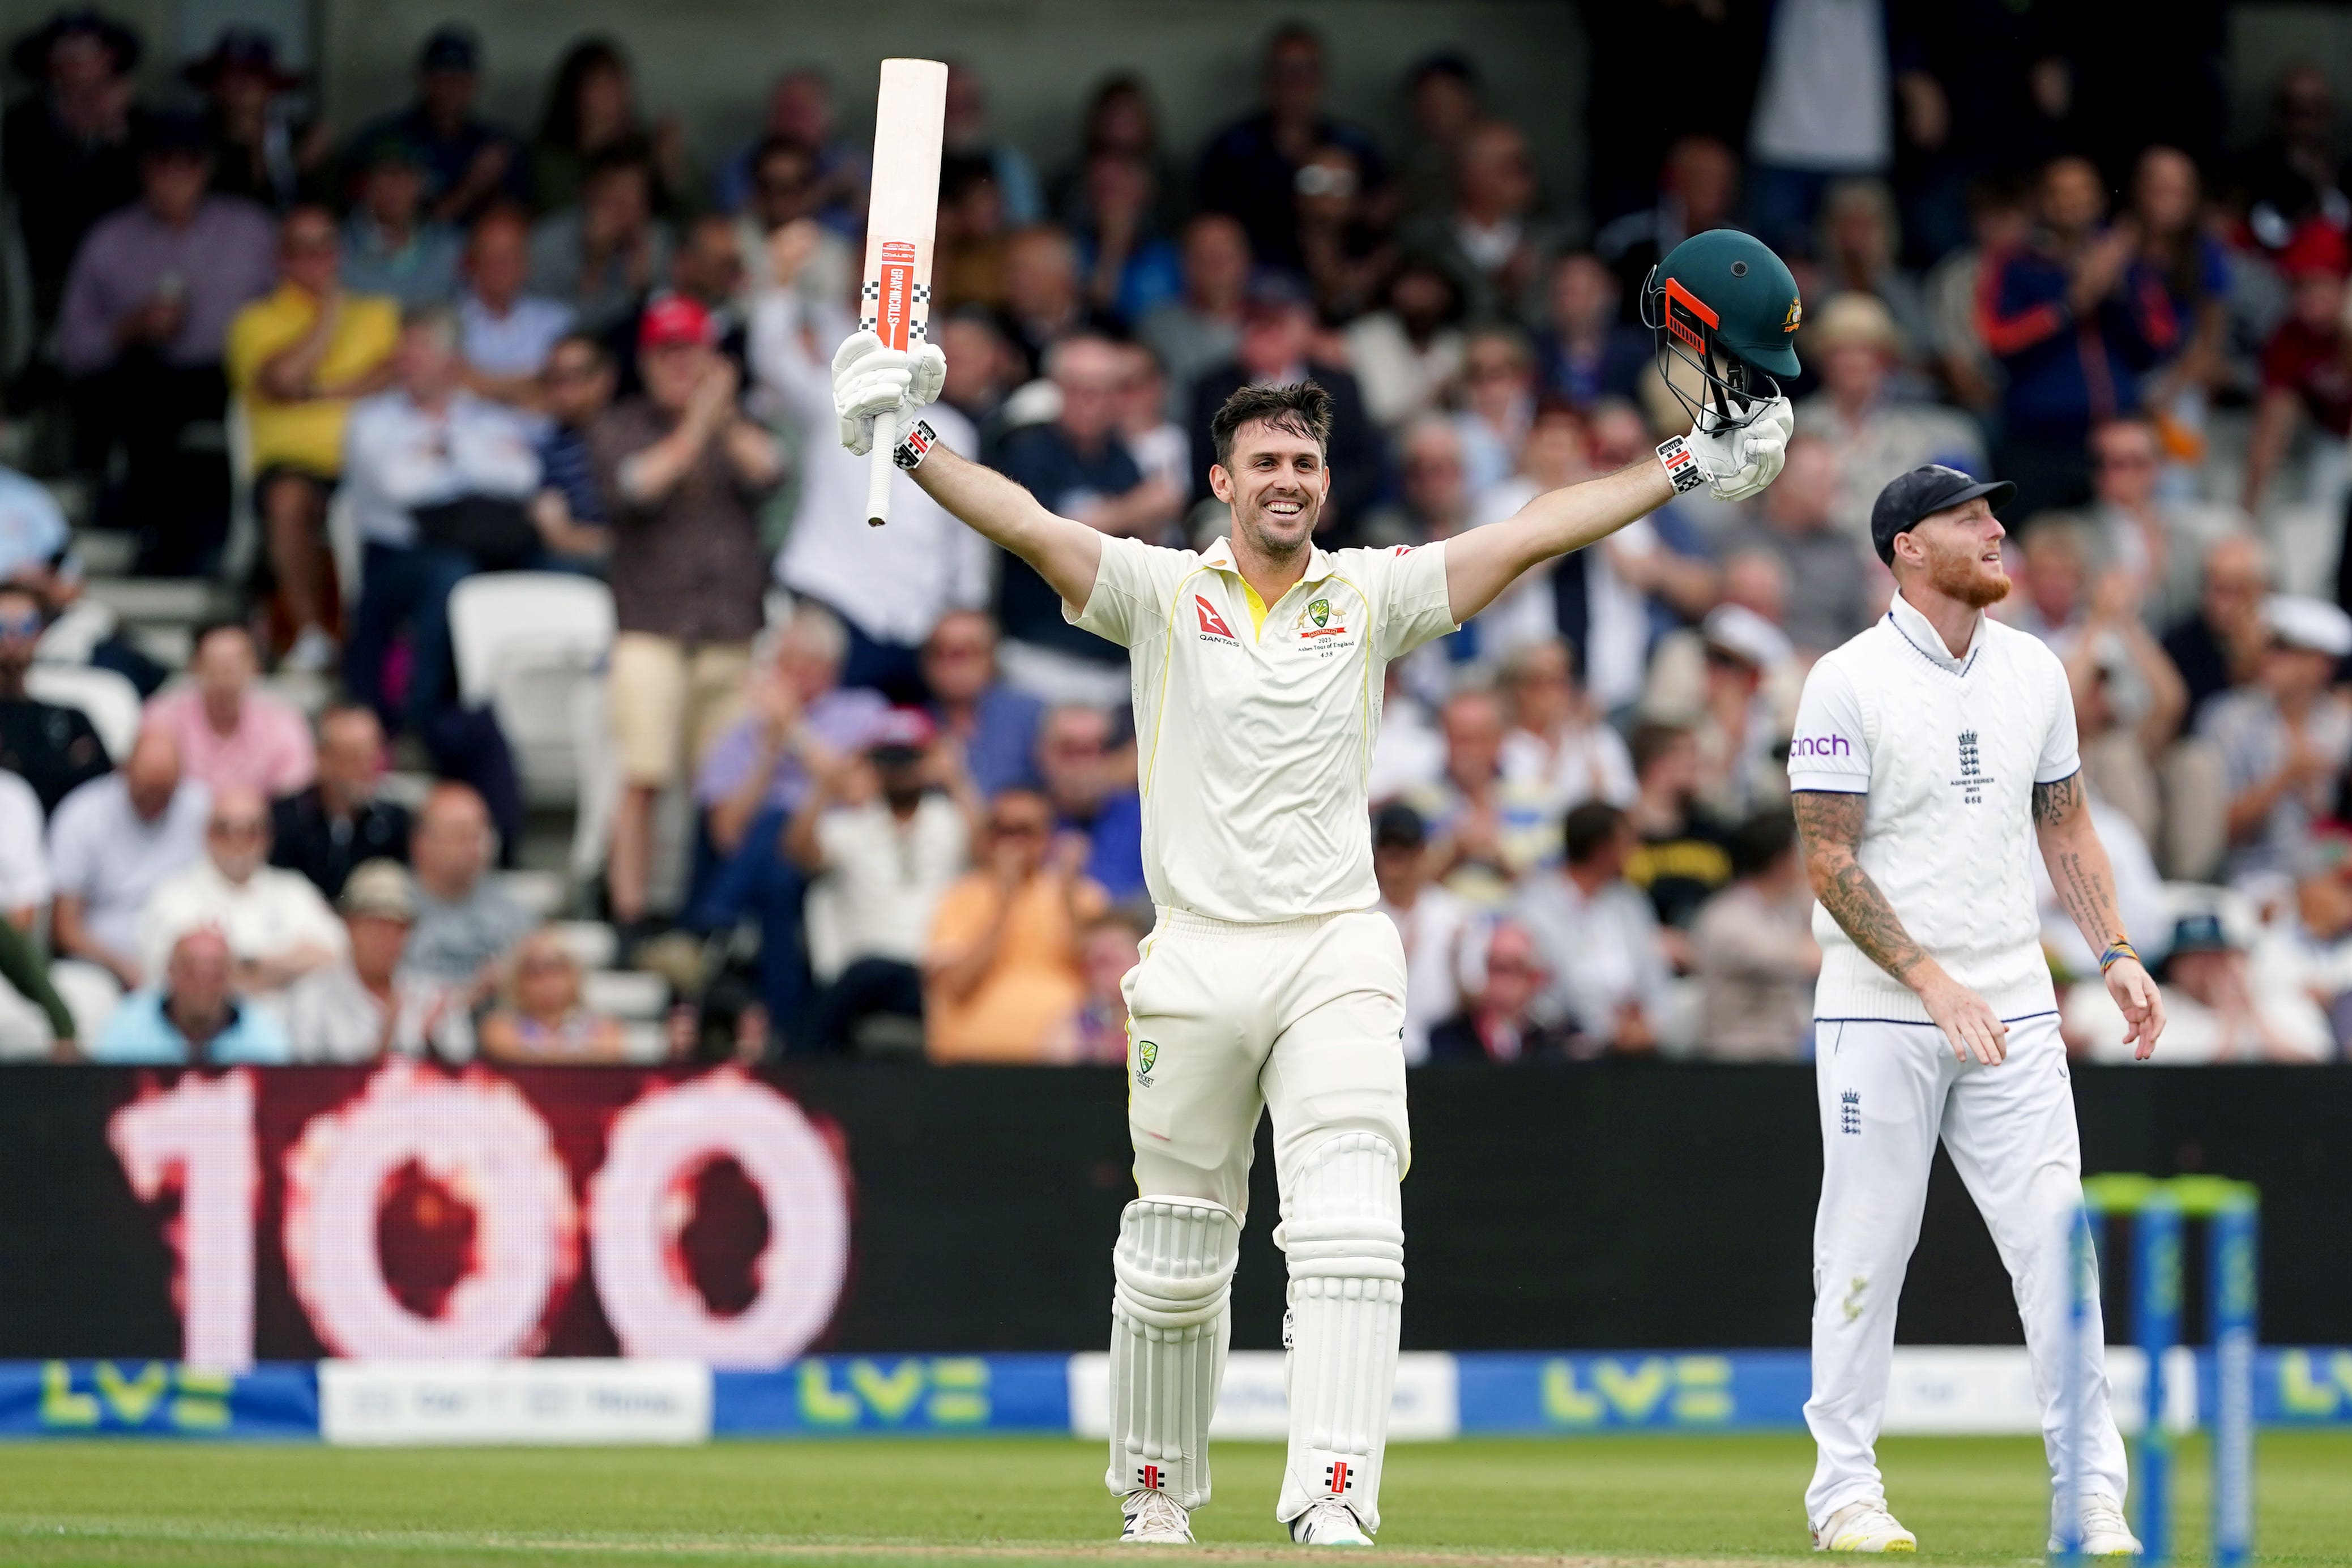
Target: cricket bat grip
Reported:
[(877, 476)]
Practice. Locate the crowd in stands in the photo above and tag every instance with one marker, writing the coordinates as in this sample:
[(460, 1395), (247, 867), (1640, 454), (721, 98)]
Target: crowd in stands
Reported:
[(911, 820)]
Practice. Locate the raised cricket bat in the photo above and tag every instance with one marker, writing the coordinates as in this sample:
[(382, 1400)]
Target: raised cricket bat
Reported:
[(900, 219)]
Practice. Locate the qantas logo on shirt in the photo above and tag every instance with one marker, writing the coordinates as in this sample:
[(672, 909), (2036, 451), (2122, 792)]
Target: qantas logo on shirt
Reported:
[(1212, 624)]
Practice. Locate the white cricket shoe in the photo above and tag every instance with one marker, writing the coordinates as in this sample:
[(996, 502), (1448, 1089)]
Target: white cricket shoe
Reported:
[(1155, 1519), (2105, 1533), (1863, 1527), (1329, 1522)]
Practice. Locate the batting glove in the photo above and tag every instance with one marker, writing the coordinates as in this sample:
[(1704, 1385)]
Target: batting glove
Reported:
[(1740, 463), (868, 379)]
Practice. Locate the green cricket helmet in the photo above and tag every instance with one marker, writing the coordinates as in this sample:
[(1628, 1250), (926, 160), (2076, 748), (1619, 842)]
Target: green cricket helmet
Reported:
[(1726, 310)]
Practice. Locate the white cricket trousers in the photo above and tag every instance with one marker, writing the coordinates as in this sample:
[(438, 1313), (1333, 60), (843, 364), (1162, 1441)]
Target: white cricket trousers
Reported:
[(1304, 1019), (1888, 1090)]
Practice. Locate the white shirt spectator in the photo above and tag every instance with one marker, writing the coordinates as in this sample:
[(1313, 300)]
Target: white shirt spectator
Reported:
[(1401, 381), (887, 875), (270, 913), (2139, 897), (1408, 753), (896, 582), (1617, 630), (1591, 763), (1602, 951), (1822, 103), (104, 854), (514, 344), (397, 457), (1432, 934), (24, 860), (33, 529), (333, 1018)]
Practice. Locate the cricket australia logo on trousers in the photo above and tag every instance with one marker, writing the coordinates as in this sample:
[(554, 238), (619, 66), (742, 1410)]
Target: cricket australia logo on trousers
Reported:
[(1147, 1057)]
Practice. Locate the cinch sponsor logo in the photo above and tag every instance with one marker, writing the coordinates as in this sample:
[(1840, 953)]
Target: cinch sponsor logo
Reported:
[(1820, 746)]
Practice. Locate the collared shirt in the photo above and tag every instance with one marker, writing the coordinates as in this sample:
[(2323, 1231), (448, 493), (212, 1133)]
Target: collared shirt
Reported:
[(422, 271), (454, 938), (54, 748), (1255, 723), (308, 433), (514, 344), (1949, 751), (331, 1015), (269, 750), (690, 565), (2253, 735), (1002, 750), (267, 914), (305, 837), (221, 260), (103, 852), (399, 457), (888, 875), (140, 1032), (33, 529), (1602, 950)]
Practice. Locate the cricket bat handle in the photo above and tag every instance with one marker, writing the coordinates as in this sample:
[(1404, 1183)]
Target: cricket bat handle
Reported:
[(877, 476)]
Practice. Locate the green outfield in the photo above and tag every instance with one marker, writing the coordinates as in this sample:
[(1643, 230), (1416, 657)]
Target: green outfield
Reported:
[(1654, 1499)]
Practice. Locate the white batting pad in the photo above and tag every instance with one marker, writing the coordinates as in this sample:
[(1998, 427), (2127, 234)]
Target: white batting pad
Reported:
[(1175, 1271), (1344, 1234)]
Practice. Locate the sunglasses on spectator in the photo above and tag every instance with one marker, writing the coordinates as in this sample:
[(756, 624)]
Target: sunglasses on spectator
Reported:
[(1018, 828), (25, 625)]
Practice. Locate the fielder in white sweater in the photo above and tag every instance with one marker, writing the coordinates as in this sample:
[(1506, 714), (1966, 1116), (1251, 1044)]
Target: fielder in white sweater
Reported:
[(1933, 755)]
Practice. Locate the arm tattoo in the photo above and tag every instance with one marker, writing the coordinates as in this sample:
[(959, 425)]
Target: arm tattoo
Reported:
[(2054, 803), (2077, 862), (1831, 825)]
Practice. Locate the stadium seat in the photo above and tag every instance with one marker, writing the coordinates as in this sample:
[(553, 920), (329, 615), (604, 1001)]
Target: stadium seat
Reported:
[(630, 995), (525, 642), (540, 892), (592, 943), (110, 700), (89, 993)]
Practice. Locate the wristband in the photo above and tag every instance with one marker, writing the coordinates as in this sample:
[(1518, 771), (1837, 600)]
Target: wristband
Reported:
[(915, 446), (2117, 950), (1681, 464)]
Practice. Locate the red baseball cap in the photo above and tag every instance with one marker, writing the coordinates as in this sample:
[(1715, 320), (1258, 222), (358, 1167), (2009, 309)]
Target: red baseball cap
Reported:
[(674, 320), (2317, 248)]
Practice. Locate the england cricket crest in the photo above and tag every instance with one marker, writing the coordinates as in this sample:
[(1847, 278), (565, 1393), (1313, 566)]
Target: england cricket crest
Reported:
[(1147, 1057), (1321, 611)]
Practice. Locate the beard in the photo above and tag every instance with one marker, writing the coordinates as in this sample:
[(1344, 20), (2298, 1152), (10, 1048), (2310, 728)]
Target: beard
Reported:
[(1957, 574), (1267, 542)]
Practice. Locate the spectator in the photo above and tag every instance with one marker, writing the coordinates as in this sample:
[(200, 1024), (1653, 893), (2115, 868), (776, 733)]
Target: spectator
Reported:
[(577, 388), (439, 478), (1831, 582), (1340, 236), (2157, 541), (505, 334), (1699, 190), (1557, 743), (299, 358), (2213, 1011), (35, 541), (1675, 690), (2294, 173), (1998, 224), (889, 586), (890, 833), (52, 748), (1872, 433), (2075, 318), (1093, 793), (24, 884), (1430, 922), (466, 923), (1860, 245), (2055, 561), (470, 164), (1131, 267), (1589, 351), (1119, 119), (1442, 105), (2219, 646), (541, 1020), (1490, 242), (683, 474), (995, 726), (1250, 167), (231, 735), (1079, 467), (968, 250), (198, 1018), (1045, 300), (1108, 950), (2305, 946), (1001, 963), (1822, 113), (391, 247), (2168, 205), (981, 367), (2285, 738), (592, 109), (1161, 447), (1491, 829), (1742, 745), (278, 926), (801, 111), (1277, 347), (966, 134), (780, 230), (2142, 900), (1434, 494), (68, 145), (1754, 949), (705, 265), (342, 820), (2304, 363), (112, 842), (146, 315), (1199, 329), (1683, 854), (1498, 405), (1501, 1021), (362, 1007), (265, 151), (2128, 705), (599, 255), (1984, 88), (1596, 935), (1408, 353)]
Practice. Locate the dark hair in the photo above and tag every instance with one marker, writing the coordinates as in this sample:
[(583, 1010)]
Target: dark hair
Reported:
[(1587, 828), (1760, 841), (773, 146), (1126, 84), (628, 152), (206, 630), (599, 351), (1302, 408), (1653, 740), (559, 124)]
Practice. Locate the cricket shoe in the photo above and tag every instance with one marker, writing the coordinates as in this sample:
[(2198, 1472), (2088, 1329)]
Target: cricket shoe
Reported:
[(2105, 1533), (1329, 1522), (1863, 1527), (1155, 1519)]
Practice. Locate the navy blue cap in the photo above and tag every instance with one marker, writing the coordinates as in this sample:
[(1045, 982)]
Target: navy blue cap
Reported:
[(450, 48), (1910, 498)]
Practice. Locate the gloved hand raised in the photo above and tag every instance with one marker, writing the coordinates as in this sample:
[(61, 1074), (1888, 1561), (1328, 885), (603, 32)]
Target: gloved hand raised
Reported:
[(869, 380)]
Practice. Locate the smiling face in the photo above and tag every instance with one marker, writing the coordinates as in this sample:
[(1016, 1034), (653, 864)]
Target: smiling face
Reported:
[(1276, 481), (1956, 552)]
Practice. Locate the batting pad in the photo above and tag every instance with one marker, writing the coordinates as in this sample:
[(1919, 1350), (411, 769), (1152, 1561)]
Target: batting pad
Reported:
[(1344, 1233), (1169, 1328)]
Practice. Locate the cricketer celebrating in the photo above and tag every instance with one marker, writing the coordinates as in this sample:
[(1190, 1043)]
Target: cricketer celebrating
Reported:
[(1931, 754), (1270, 981)]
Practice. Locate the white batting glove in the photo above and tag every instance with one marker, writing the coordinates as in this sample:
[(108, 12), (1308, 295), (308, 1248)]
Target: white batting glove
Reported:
[(1740, 463), (869, 380)]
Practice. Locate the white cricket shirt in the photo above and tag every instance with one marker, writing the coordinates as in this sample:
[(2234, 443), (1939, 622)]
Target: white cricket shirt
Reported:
[(1948, 750), (1254, 735)]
